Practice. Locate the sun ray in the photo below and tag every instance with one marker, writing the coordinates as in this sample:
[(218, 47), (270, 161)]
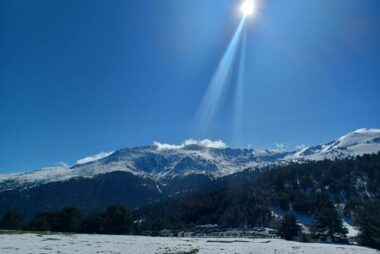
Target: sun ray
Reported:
[(239, 93), (248, 8), (218, 85)]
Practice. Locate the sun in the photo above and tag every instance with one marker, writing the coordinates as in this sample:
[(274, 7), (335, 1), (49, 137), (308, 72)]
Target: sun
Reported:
[(247, 7)]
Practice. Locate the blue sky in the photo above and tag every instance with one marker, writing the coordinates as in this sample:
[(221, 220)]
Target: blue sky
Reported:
[(81, 77)]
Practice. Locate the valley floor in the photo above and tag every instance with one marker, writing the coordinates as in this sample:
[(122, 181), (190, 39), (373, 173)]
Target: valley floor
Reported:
[(75, 243)]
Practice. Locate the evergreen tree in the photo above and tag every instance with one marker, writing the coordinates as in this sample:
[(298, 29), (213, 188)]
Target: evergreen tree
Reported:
[(328, 225), (368, 219), (11, 220), (289, 227), (41, 222), (117, 220), (72, 220), (68, 220), (92, 223)]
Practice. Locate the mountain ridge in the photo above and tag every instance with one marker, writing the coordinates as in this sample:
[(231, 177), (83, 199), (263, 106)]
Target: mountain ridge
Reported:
[(163, 162)]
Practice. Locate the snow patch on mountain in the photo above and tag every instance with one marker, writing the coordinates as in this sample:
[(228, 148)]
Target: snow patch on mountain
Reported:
[(163, 162), (36, 177), (95, 157), (359, 142)]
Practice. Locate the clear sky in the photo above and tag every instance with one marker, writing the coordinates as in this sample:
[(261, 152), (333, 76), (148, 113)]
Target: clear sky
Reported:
[(81, 77)]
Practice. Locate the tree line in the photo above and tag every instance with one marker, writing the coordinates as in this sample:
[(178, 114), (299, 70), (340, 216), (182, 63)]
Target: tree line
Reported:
[(315, 189), (115, 219), (324, 190)]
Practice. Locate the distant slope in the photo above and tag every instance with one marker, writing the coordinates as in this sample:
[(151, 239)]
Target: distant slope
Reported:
[(302, 188), (96, 193), (86, 194), (165, 162), (359, 142), (138, 176)]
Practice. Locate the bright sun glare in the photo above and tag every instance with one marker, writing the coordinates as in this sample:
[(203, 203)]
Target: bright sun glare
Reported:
[(248, 7)]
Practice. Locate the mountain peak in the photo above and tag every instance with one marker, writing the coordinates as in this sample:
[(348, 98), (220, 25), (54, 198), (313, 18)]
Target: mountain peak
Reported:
[(162, 162), (358, 142), (365, 130)]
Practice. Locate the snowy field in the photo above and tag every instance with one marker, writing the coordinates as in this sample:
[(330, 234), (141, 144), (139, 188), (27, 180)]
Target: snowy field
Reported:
[(73, 243)]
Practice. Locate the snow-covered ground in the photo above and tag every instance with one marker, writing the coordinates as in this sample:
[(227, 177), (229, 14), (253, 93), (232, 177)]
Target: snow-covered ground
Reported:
[(74, 243)]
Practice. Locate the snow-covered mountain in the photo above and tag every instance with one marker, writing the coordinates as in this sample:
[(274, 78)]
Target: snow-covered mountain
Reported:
[(163, 162), (154, 163), (359, 142)]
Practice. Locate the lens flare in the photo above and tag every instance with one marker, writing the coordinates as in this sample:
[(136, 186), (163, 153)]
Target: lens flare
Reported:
[(247, 8), (218, 86), (238, 116), (206, 117)]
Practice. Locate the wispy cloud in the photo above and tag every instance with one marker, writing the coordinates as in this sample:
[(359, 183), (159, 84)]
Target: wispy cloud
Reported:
[(206, 143), (161, 146), (61, 164), (301, 147), (280, 146), (218, 144), (93, 157)]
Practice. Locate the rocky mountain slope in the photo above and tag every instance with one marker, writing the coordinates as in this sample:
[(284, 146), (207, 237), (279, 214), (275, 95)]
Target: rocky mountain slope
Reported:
[(162, 163), (138, 176)]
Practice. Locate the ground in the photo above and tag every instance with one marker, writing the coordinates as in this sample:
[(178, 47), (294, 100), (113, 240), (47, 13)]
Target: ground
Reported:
[(75, 243)]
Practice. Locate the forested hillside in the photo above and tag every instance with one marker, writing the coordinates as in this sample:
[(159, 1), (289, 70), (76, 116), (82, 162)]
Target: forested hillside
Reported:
[(326, 191), (337, 188)]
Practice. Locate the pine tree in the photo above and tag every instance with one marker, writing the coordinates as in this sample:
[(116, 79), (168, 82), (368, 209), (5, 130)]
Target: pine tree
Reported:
[(368, 219), (11, 220), (68, 220), (289, 227), (41, 222), (328, 225), (92, 223), (72, 220), (117, 220)]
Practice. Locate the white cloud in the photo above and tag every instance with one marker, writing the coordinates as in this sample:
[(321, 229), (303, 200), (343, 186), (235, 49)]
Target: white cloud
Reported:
[(61, 164), (93, 157), (301, 147), (161, 146), (206, 143), (218, 144), (280, 146)]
